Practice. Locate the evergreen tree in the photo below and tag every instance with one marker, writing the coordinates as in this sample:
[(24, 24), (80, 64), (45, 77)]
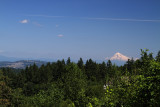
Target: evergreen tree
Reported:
[(80, 63), (74, 84), (63, 62), (109, 64), (130, 65), (91, 70), (102, 72), (5, 91), (110, 71), (158, 57), (68, 60), (35, 74)]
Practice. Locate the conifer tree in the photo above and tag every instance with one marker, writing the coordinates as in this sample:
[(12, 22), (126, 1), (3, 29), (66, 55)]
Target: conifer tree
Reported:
[(68, 60), (5, 91), (80, 63), (158, 57)]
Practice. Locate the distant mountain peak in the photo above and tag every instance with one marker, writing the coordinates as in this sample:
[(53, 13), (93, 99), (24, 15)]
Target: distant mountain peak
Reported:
[(119, 56)]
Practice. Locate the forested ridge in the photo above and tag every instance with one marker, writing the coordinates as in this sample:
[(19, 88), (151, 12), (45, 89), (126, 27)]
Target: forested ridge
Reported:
[(83, 84)]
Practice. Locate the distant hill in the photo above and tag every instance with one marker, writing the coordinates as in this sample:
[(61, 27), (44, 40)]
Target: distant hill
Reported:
[(21, 64), (6, 58)]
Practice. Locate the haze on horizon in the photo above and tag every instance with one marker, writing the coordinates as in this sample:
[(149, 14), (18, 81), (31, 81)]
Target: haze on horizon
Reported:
[(78, 28)]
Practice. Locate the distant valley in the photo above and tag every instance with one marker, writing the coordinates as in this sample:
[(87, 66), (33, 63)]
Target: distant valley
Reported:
[(11, 62), (21, 64)]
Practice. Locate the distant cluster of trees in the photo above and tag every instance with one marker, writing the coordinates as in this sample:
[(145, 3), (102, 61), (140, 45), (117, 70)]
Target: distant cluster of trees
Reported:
[(89, 84)]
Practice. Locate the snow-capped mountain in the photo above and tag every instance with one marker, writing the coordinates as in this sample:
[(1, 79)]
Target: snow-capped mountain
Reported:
[(119, 56)]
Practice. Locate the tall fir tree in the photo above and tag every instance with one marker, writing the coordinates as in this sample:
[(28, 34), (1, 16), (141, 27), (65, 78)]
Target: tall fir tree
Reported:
[(80, 63), (68, 61), (158, 57)]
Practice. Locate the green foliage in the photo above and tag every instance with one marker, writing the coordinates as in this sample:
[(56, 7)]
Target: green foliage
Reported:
[(110, 69), (61, 84), (17, 99), (95, 90), (5, 91), (137, 90), (67, 103), (74, 84), (68, 60), (92, 70), (80, 64), (158, 57), (52, 97)]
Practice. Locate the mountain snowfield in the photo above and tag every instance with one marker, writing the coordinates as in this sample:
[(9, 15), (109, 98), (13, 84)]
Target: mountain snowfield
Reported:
[(118, 56)]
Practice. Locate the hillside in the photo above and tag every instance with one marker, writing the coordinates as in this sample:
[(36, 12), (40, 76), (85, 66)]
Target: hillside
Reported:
[(21, 64)]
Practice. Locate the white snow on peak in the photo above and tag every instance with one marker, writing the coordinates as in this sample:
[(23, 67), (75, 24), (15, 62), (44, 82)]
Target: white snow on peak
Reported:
[(119, 56)]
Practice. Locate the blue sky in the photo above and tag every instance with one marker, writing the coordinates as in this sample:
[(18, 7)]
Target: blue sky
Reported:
[(94, 29)]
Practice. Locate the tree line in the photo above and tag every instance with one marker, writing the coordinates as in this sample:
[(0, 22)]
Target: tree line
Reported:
[(89, 84)]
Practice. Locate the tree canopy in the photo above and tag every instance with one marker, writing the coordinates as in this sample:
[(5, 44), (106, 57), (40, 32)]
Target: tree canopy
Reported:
[(90, 84)]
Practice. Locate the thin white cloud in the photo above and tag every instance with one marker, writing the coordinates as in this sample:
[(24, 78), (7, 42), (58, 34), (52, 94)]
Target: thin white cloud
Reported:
[(37, 24), (24, 21), (60, 35), (119, 19), (94, 18), (45, 16)]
